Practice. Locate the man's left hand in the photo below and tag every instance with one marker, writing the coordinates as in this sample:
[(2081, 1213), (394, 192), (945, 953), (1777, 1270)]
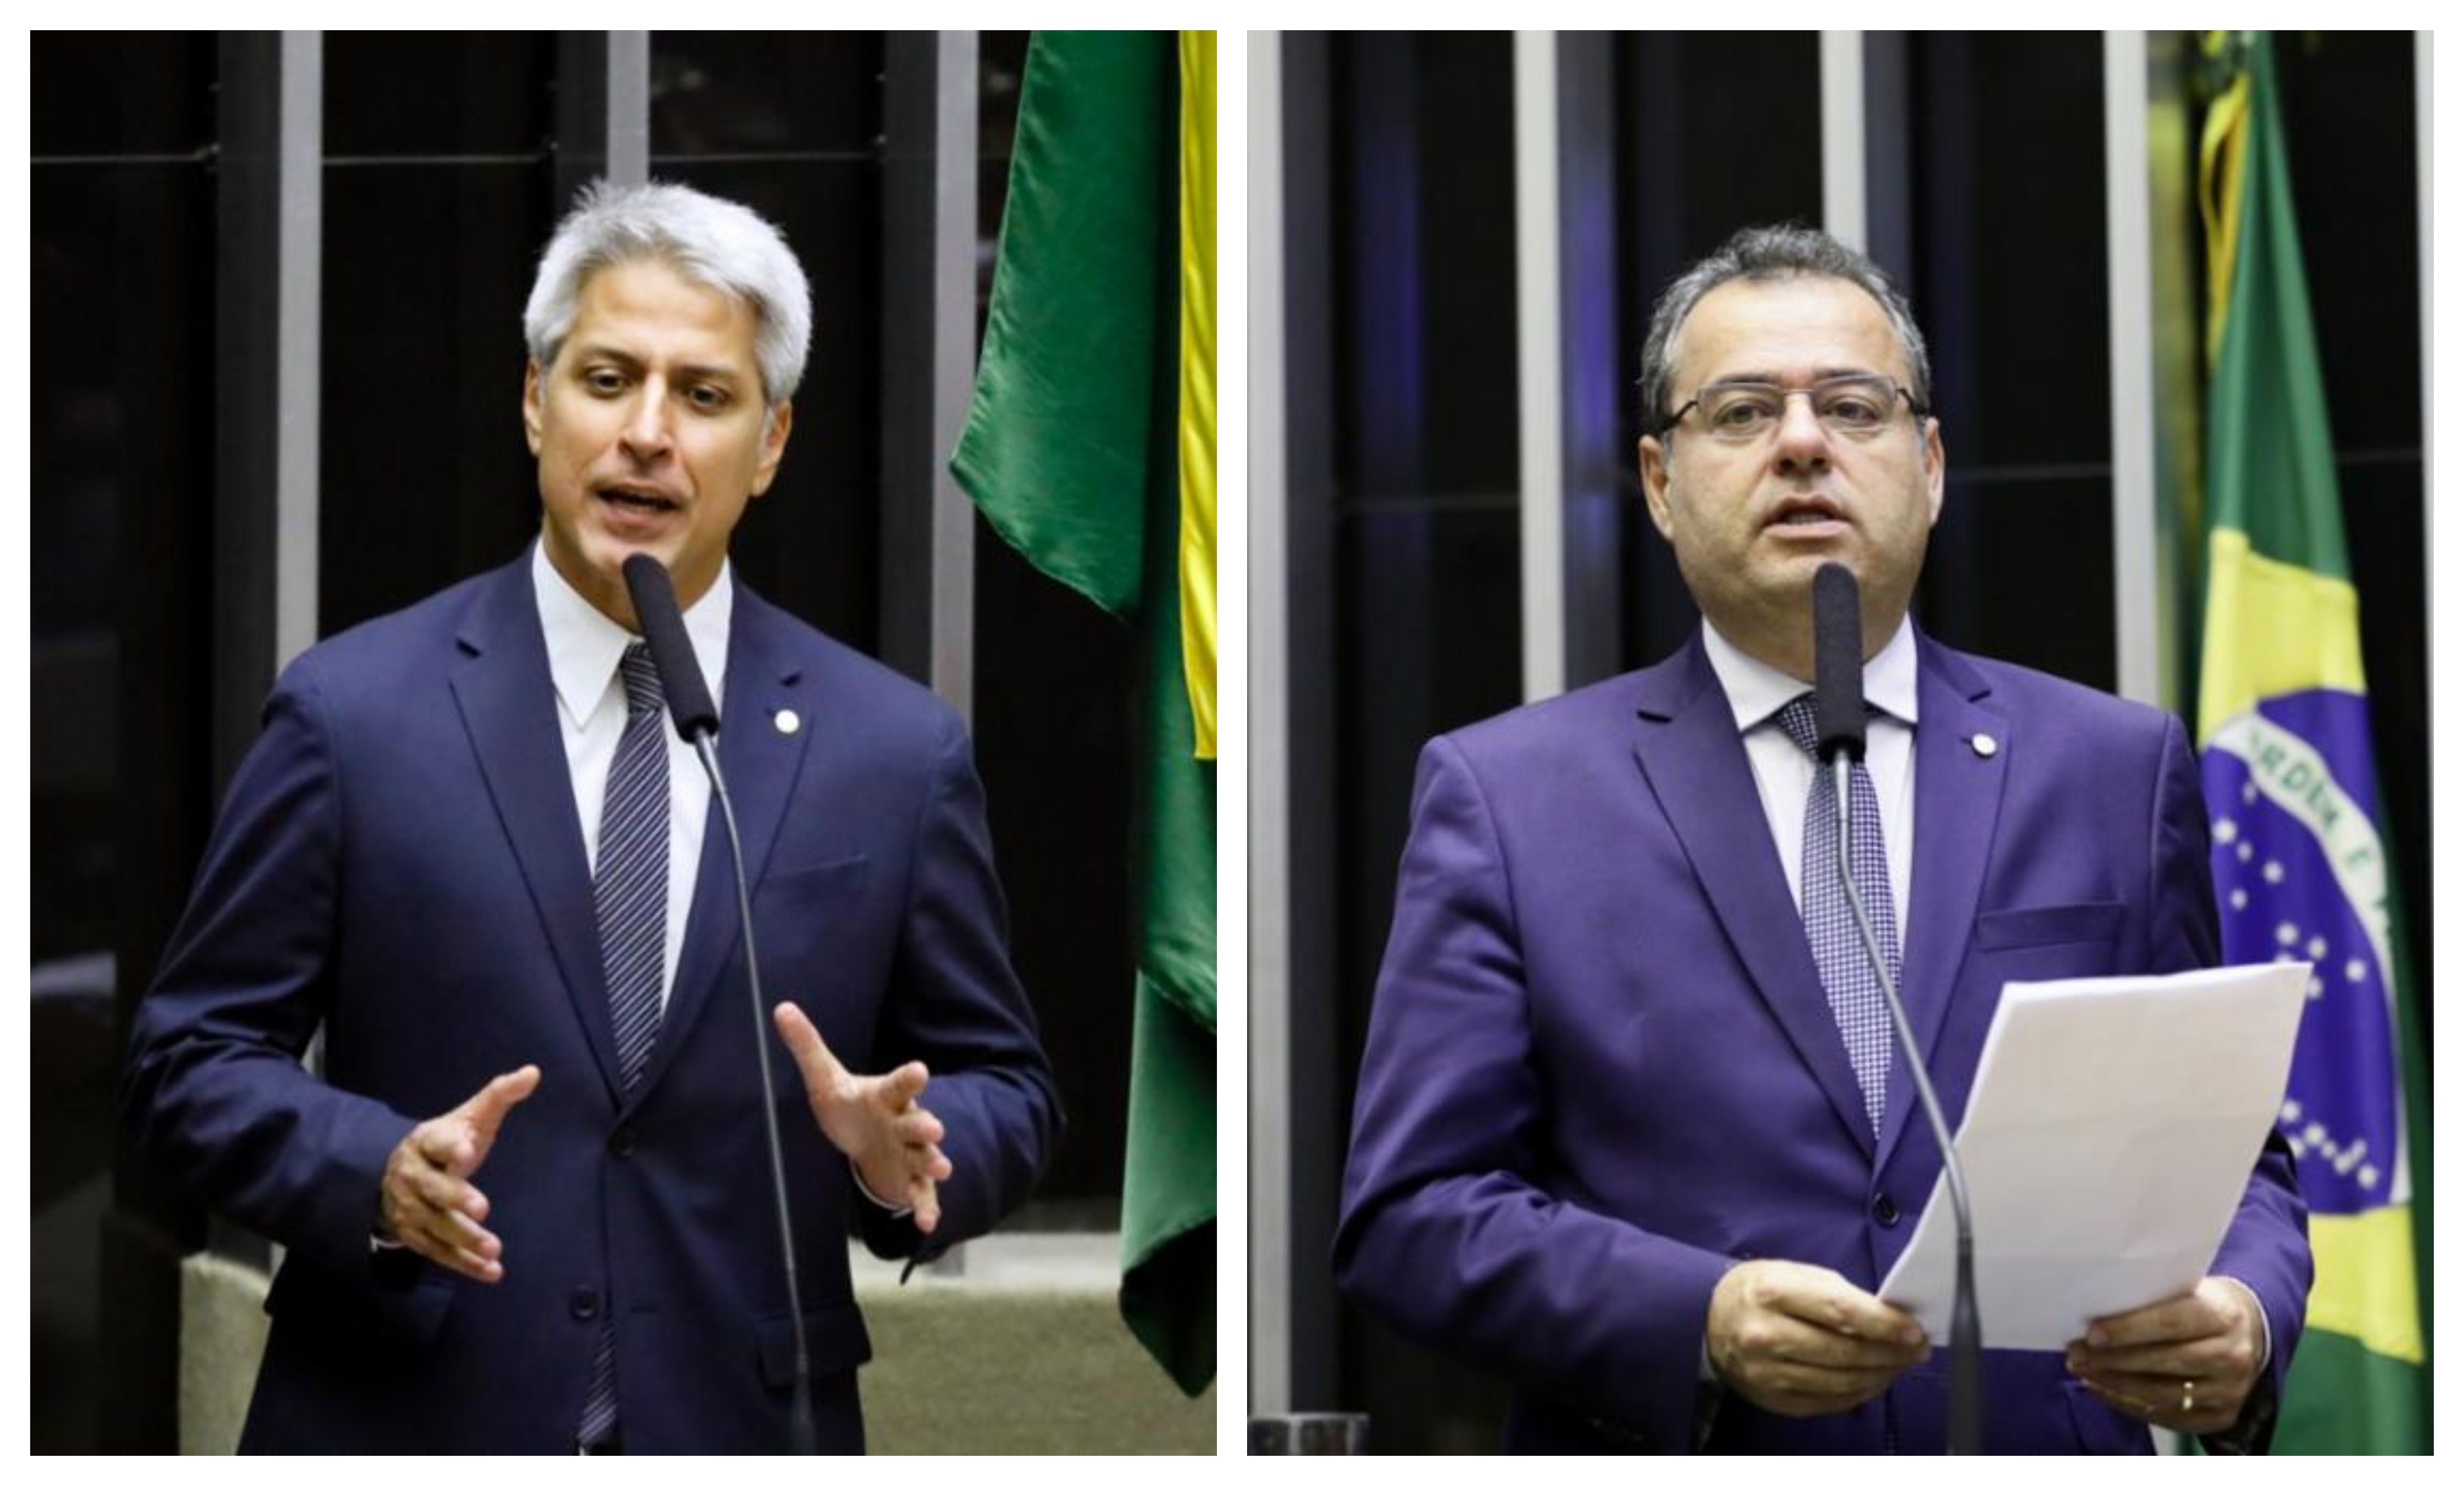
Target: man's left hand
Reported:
[(873, 1119), (2188, 1363)]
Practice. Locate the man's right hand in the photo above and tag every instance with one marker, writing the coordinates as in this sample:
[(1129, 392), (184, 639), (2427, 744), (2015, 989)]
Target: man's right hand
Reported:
[(427, 1203), (1800, 1340)]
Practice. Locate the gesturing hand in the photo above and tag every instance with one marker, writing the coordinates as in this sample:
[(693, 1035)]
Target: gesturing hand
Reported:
[(426, 1202), (873, 1119), (1798, 1340)]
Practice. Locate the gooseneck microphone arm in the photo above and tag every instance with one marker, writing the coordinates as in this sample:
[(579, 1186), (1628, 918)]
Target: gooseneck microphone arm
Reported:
[(1965, 1337), (697, 720), (1839, 709)]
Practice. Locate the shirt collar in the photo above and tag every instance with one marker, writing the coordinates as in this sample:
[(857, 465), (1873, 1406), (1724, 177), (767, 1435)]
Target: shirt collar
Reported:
[(584, 646), (1756, 690)]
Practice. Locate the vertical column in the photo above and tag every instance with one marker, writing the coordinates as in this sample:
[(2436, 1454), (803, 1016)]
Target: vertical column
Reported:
[(1269, 741), (270, 220), (928, 350), (1539, 364), (2143, 622), (1295, 882), (268, 330), (1889, 207), (1566, 323), (1866, 197), (602, 109), (1843, 136), (628, 107)]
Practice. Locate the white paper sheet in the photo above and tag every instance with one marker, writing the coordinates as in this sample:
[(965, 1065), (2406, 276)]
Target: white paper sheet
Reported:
[(2108, 1141)]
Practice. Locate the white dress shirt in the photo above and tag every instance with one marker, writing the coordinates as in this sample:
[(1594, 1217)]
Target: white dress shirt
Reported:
[(583, 647), (1756, 692)]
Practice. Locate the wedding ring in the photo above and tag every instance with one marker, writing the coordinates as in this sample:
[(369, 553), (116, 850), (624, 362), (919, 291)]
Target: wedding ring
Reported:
[(2187, 1386)]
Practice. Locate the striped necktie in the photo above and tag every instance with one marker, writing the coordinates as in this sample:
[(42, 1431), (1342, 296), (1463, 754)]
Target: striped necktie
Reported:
[(631, 888), (632, 884), (1848, 981)]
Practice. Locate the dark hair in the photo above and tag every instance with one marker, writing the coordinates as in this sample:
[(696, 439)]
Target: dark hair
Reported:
[(1789, 251)]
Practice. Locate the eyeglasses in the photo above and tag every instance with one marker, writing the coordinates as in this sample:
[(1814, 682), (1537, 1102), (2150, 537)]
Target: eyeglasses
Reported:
[(1858, 406)]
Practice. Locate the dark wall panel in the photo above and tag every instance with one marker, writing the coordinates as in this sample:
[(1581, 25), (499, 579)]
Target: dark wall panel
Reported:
[(800, 92), (112, 95), (2008, 180), (453, 94), (1426, 541), (424, 475), (121, 319)]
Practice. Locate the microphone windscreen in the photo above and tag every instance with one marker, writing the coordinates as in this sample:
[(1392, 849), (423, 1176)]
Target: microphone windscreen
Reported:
[(663, 627), (1838, 664)]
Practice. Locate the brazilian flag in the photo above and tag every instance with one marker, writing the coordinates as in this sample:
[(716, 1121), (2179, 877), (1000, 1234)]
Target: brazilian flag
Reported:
[(2299, 844), (1090, 447)]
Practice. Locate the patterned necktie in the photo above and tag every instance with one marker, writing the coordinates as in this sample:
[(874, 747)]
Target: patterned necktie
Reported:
[(632, 884), (632, 889), (1848, 981)]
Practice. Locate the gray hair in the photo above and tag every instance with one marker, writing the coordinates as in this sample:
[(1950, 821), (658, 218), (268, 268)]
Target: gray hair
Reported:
[(1759, 254), (719, 244)]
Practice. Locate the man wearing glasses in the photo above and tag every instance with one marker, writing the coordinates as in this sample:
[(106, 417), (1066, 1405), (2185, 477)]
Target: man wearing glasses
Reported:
[(1626, 1128)]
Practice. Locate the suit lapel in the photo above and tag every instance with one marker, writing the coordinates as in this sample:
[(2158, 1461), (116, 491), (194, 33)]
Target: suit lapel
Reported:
[(508, 705), (1696, 766), (761, 762), (1959, 802)]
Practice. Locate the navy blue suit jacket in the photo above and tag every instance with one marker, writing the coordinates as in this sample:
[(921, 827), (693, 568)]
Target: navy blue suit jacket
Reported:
[(1601, 1068), (398, 863)]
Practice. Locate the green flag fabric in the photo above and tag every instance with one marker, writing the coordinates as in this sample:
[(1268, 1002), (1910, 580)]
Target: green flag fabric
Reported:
[(1072, 454), (2298, 848)]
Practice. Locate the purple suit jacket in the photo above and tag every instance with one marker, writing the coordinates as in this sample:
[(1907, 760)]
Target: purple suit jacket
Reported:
[(1601, 1069)]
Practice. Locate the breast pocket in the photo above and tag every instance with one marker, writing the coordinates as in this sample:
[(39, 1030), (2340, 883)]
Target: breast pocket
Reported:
[(2066, 942), (841, 873), (2068, 924), (815, 923)]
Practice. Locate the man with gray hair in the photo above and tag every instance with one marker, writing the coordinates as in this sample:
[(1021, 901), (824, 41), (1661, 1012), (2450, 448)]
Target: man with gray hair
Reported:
[(1629, 1125), (529, 1206)]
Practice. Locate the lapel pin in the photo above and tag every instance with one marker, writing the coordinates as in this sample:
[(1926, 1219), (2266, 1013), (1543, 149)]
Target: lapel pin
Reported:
[(789, 721), (1984, 744)]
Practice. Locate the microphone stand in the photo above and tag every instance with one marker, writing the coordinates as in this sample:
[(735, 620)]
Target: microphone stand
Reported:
[(696, 722), (802, 1439), (1967, 1337)]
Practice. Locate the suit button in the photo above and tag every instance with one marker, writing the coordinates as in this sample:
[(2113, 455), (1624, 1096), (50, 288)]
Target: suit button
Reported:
[(1885, 1212), (583, 1304), (621, 1142)]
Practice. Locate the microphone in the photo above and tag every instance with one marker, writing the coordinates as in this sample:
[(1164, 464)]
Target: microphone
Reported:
[(1839, 733), (663, 627), (688, 704), (1838, 665)]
